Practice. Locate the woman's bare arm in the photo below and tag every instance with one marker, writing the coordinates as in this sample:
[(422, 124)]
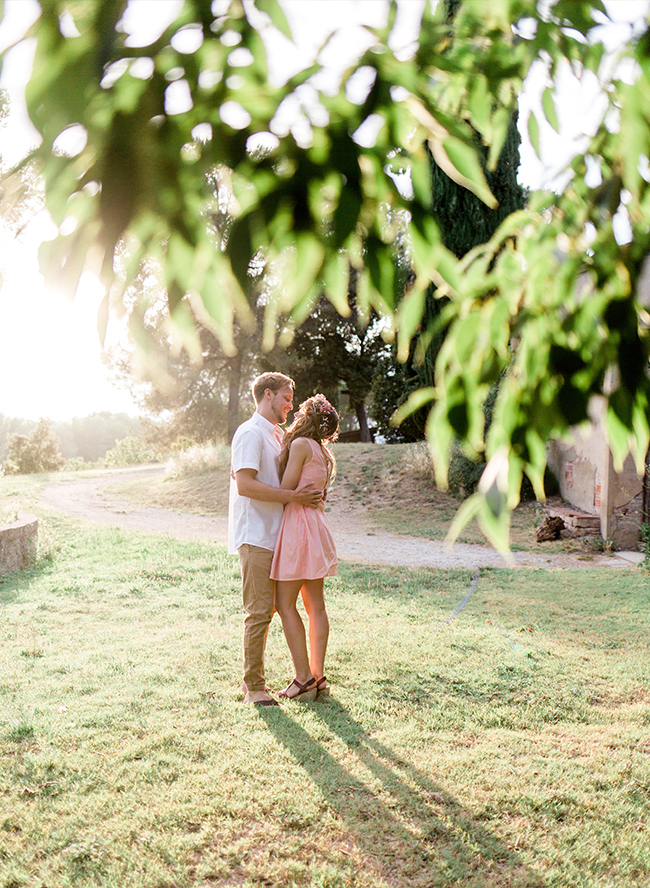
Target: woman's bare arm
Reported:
[(248, 485), (299, 454)]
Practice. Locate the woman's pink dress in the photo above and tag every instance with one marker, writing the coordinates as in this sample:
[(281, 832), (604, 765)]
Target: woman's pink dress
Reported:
[(305, 547)]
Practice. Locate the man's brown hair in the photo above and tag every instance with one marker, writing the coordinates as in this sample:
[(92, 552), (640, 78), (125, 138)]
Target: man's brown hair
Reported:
[(272, 381)]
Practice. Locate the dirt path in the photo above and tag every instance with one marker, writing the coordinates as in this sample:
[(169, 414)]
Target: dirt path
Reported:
[(91, 499)]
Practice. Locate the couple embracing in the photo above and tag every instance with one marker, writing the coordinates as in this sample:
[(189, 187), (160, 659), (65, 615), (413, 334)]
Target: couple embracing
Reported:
[(277, 526)]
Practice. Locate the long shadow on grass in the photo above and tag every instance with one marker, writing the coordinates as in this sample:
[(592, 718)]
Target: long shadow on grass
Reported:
[(412, 826)]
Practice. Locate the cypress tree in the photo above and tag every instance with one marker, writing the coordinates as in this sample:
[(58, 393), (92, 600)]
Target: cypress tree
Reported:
[(464, 222)]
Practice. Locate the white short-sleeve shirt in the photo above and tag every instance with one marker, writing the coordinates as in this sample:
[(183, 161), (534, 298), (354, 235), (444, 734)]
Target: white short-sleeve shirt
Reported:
[(256, 445)]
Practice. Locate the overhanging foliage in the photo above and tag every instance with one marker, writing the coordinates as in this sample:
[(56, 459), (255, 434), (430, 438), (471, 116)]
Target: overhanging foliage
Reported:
[(550, 301)]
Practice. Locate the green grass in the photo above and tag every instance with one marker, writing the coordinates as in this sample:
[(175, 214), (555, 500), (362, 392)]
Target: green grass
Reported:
[(505, 745)]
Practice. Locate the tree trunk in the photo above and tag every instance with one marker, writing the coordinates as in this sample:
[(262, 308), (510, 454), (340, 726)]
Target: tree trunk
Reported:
[(362, 419), (234, 386)]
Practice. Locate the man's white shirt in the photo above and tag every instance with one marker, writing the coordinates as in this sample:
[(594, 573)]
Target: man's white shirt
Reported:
[(256, 445)]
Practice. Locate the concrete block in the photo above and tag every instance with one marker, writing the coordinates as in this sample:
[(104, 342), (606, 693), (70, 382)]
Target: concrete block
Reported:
[(18, 543)]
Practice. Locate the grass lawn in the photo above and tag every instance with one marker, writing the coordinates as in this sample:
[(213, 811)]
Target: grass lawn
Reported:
[(508, 745)]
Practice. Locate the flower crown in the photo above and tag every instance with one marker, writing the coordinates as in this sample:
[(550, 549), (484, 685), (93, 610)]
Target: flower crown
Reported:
[(326, 414)]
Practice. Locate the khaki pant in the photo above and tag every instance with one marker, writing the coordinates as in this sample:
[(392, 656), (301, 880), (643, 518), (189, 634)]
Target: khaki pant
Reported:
[(258, 594)]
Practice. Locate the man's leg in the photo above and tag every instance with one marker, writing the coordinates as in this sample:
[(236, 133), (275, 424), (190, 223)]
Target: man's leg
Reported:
[(258, 605)]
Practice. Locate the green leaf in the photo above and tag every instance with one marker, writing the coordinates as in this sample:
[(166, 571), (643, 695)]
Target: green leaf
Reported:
[(440, 436), (364, 292), (442, 141), (465, 334), (303, 309), (381, 266), (617, 423), (275, 12), (409, 318), (222, 298), (533, 132), (445, 269), (415, 401), (62, 260), (336, 276), (480, 103), (465, 514), (346, 214), (500, 124), (304, 265), (548, 104), (461, 164), (495, 524), (240, 250), (537, 448), (180, 257), (184, 330), (491, 506), (634, 133)]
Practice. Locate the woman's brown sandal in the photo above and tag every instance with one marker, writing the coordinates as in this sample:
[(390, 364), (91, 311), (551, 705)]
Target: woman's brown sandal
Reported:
[(322, 688), (306, 692)]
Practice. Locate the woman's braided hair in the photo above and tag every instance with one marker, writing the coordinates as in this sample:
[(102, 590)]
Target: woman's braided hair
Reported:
[(316, 419)]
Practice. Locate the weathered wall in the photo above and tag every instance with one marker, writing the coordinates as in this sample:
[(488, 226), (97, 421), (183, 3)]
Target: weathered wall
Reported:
[(578, 468), (18, 542), (622, 520), (585, 472), (585, 469)]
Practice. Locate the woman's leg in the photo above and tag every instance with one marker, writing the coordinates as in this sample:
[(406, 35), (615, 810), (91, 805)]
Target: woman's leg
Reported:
[(286, 596), (319, 627)]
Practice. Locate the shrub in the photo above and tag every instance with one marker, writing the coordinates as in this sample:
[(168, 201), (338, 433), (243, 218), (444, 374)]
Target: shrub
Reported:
[(197, 460), (393, 382), (37, 452), (464, 473), (74, 464), (130, 451), (182, 443), (418, 461), (77, 463), (645, 545)]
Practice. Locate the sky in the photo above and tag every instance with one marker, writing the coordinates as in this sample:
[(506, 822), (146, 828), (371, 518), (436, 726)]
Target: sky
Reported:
[(50, 352)]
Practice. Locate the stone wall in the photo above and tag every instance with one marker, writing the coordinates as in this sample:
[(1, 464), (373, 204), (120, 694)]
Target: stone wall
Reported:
[(18, 543)]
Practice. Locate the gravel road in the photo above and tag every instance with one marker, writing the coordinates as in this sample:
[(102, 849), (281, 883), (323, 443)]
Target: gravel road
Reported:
[(91, 499)]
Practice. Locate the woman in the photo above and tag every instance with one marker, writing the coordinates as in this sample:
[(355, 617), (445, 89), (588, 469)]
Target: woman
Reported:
[(305, 552)]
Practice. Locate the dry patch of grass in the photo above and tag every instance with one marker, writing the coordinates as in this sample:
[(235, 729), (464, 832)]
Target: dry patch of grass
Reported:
[(205, 494), (394, 486)]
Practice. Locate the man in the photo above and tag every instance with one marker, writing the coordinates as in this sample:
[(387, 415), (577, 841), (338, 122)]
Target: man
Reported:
[(255, 514)]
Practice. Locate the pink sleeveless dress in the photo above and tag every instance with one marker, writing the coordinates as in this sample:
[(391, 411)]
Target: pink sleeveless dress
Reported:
[(305, 547)]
